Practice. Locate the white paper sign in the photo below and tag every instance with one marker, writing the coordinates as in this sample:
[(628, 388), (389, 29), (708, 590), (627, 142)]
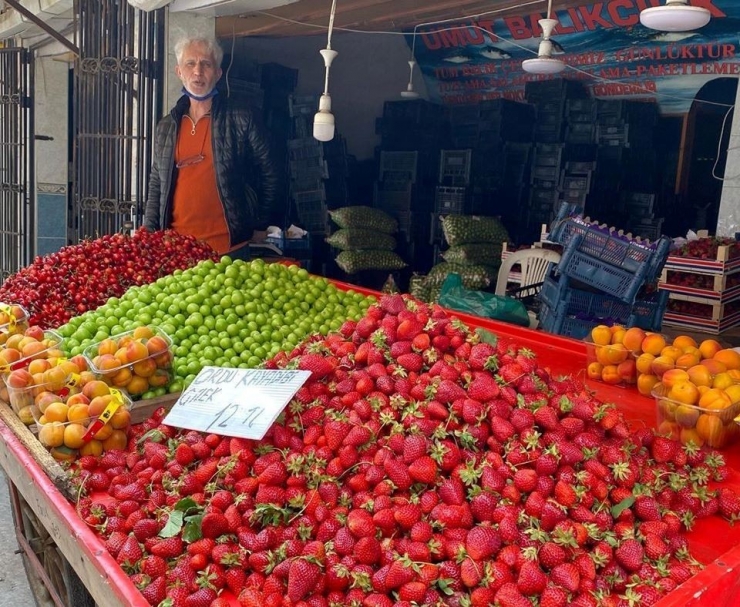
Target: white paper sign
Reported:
[(235, 402)]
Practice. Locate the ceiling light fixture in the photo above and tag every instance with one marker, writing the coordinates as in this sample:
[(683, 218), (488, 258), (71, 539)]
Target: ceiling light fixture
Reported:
[(544, 62), (323, 121), (675, 16)]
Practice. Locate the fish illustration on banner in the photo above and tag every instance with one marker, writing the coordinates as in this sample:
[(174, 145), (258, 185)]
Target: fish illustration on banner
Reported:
[(603, 45)]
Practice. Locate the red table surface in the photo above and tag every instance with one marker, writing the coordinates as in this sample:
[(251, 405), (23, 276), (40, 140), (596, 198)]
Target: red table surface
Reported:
[(713, 541)]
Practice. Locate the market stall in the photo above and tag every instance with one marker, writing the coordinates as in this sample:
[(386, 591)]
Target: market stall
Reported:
[(84, 570)]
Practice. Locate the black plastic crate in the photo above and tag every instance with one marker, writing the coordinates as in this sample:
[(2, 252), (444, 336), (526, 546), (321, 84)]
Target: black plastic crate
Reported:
[(450, 199), (416, 110), (547, 173), (298, 149), (580, 167), (575, 182), (454, 167)]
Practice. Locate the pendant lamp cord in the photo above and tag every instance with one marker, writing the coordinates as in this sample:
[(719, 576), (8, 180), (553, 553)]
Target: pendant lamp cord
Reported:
[(328, 43)]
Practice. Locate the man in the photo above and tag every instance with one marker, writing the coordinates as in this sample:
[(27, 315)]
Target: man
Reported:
[(212, 173)]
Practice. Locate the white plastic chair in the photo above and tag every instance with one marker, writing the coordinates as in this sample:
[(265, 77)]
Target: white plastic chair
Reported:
[(534, 264)]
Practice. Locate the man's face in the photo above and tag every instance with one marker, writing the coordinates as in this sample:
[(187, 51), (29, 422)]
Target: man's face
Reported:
[(197, 70)]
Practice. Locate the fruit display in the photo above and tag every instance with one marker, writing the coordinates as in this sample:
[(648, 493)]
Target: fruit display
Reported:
[(613, 351), (705, 282), (709, 248), (13, 319), (81, 277), (422, 463), (71, 427), (226, 313), (136, 361)]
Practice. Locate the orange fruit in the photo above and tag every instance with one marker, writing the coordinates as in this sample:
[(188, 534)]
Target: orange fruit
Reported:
[(94, 447), (78, 413), (601, 335), (722, 381), (610, 374), (618, 334), (709, 347), (682, 341), (713, 398), (645, 383), (669, 429), (661, 364), (709, 428), (614, 354), (733, 392), (671, 352), (729, 357), (52, 434), (673, 376), (593, 371), (73, 434), (715, 367), (691, 435), (142, 333), (632, 339), (684, 392), (56, 412), (117, 440), (653, 344), (644, 363), (686, 361), (686, 416)]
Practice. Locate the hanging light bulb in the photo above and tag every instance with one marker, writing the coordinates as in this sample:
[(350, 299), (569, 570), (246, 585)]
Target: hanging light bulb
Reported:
[(544, 62), (410, 93), (323, 120), (675, 16)]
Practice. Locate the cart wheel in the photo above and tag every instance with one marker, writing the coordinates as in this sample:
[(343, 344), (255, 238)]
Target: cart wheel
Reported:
[(62, 579)]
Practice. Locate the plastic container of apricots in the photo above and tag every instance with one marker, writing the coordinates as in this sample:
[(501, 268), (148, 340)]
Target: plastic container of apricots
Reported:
[(611, 363), (13, 320), (34, 343), (89, 422), (135, 361), (704, 417)]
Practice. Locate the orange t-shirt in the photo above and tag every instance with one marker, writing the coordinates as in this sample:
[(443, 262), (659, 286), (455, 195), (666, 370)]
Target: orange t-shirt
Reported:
[(196, 206)]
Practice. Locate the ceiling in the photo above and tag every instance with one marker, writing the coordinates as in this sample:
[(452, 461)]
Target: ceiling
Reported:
[(385, 15)]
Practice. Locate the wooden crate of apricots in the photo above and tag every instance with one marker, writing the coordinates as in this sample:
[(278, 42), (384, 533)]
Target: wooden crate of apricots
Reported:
[(696, 386)]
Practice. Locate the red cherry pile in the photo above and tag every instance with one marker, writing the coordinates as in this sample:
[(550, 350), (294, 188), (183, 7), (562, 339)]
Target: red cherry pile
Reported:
[(421, 464), (81, 277)]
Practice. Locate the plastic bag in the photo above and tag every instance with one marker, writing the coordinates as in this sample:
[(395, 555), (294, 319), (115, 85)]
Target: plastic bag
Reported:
[(473, 276), (464, 229), (487, 305), (360, 239), (364, 217), (357, 261), (474, 253)]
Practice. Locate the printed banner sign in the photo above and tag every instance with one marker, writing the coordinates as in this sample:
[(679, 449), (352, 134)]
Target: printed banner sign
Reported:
[(603, 44)]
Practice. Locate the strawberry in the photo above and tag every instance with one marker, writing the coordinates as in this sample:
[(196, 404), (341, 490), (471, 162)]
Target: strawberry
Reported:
[(146, 528), (655, 547), (664, 449), (729, 504), (413, 447), (551, 555), (303, 575), (411, 362), (567, 576), (213, 525), (130, 553), (525, 480), (532, 580), (156, 591), (360, 523), (423, 470), (319, 366), (630, 553), (553, 596), (482, 542), (203, 597), (167, 548)]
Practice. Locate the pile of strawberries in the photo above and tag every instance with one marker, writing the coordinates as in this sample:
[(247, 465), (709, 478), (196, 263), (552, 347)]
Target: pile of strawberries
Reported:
[(421, 464)]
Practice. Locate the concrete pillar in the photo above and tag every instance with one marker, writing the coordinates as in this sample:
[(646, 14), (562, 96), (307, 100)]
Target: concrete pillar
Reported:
[(178, 26), (51, 95), (728, 221)]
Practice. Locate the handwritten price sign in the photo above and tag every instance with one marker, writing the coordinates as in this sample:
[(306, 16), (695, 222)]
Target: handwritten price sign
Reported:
[(235, 402)]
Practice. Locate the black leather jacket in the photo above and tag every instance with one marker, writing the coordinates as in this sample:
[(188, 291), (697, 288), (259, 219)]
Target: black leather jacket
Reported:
[(246, 174)]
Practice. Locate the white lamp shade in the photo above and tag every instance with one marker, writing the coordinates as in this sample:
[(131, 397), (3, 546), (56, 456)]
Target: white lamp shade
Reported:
[(543, 65), (675, 17), (323, 126)]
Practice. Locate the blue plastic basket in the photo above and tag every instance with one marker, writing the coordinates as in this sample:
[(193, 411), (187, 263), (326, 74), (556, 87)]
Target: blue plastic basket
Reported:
[(574, 312)]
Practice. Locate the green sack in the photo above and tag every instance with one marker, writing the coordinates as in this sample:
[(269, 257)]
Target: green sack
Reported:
[(463, 229), (487, 305), (364, 217), (474, 253), (360, 239), (358, 261)]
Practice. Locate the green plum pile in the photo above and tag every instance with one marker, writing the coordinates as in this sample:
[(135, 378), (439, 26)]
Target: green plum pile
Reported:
[(225, 314)]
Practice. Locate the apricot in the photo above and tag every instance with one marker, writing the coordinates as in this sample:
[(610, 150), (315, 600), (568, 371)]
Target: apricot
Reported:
[(94, 447), (729, 357), (715, 367), (627, 371), (107, 346), (98, 404), (671, 352), (95, 388), (683, 341), (157, 345), (661, 364), (633, 338), (64, 454), (722, 380), (709, 347), (117, 440), (121, 377), (733, 392), (161, 378), (686, 416), (645, 383), (20, 378), (78, 399), (138, 385), (121, 419), (601, 335), (56, 412), (78, 413), (690, 435), (33, 350), (80, 362), (145, 368), (103, 433), (644, 363), (38, 366), (142, 333), (73, 435), (618, 334), (684, 392), (673, 376), (610, 375), (653, 344), (51, 434), (669, 430), (685, 361)]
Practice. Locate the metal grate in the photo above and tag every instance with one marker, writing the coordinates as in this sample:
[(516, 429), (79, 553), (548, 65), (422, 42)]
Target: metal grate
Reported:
[(17, 200), (117, 102)]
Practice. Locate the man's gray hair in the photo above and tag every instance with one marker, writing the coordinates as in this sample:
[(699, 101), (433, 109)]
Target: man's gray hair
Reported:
[(210, 43)]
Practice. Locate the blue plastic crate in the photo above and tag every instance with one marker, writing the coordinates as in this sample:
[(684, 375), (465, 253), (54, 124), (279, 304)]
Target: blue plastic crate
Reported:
[(290, 244), (569, 311)]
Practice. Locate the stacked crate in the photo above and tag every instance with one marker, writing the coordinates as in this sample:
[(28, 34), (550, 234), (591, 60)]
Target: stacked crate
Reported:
[(640, 208), (602, 278), (544, 190), (581, 121), (317, 171), (575, 182), (395, 188), (704, 293)]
